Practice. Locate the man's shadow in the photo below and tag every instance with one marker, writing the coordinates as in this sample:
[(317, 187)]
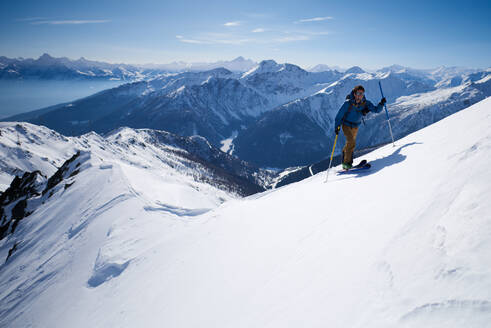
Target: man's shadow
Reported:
[(376, 165), (319, 167)]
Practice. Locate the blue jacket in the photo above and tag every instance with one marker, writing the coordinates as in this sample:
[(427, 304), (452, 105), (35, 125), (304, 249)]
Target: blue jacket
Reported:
[(352, 117)]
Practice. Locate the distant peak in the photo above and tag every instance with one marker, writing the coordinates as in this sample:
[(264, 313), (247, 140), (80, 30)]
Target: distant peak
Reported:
[(268, 63), (269, 66), (325, 68), (264, 66), (392, 68), (45, 56), (355, 70), (46, 59), (293, 67), (220, 71)]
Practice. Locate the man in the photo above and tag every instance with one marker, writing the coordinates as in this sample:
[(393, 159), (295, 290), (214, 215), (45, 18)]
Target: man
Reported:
[(349, 118)]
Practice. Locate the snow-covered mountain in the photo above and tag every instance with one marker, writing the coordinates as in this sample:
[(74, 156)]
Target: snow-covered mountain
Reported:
[(274, 115), (47, 67), (26, 148), (301, 131), (212, 104), (324, 67), (120, 245), (281, 83), (239, 64)]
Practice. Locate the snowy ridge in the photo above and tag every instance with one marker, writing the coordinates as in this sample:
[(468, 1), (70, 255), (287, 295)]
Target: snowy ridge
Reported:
[(281, 83), (412, 252), (26, 147)]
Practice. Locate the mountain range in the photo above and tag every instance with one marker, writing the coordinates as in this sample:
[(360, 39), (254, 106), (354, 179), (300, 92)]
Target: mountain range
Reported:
[(47, 67), (273, 115), (26, 148)]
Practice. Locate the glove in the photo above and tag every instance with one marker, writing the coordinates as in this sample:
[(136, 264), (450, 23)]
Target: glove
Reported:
[(336, 129), (383, 101), (365, 111)]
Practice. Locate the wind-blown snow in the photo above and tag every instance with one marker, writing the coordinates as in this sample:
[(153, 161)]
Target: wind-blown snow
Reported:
[(406, 244)]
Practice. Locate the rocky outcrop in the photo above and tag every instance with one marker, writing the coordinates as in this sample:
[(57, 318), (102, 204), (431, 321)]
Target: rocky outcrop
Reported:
[(27, 192), (13, 202)]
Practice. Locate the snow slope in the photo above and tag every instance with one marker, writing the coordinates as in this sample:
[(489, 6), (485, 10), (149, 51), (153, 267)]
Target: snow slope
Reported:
[(406, 244), (26, 147)]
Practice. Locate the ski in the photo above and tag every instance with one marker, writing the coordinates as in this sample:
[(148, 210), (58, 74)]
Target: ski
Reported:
[(362, 163), (357, 168)]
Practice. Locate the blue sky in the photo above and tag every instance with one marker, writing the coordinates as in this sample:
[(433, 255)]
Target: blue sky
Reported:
[(370, 34)]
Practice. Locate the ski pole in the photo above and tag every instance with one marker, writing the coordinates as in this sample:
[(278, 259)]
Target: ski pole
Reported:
[(387, 114), (332, 154)]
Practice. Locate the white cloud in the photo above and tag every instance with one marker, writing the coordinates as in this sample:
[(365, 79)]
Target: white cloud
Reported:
[(231, 41), (241, 41), (292, 38), (232, 38), (70, 22), (315, 19), (236, 41), (194, 41), (258, 30), (232, 24), (30, 19)]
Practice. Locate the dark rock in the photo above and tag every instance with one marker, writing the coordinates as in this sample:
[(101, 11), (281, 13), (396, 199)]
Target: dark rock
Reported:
[(68, 185), (11, 251), (18, 212), (59, 174), (23, 189), (21, 186)]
